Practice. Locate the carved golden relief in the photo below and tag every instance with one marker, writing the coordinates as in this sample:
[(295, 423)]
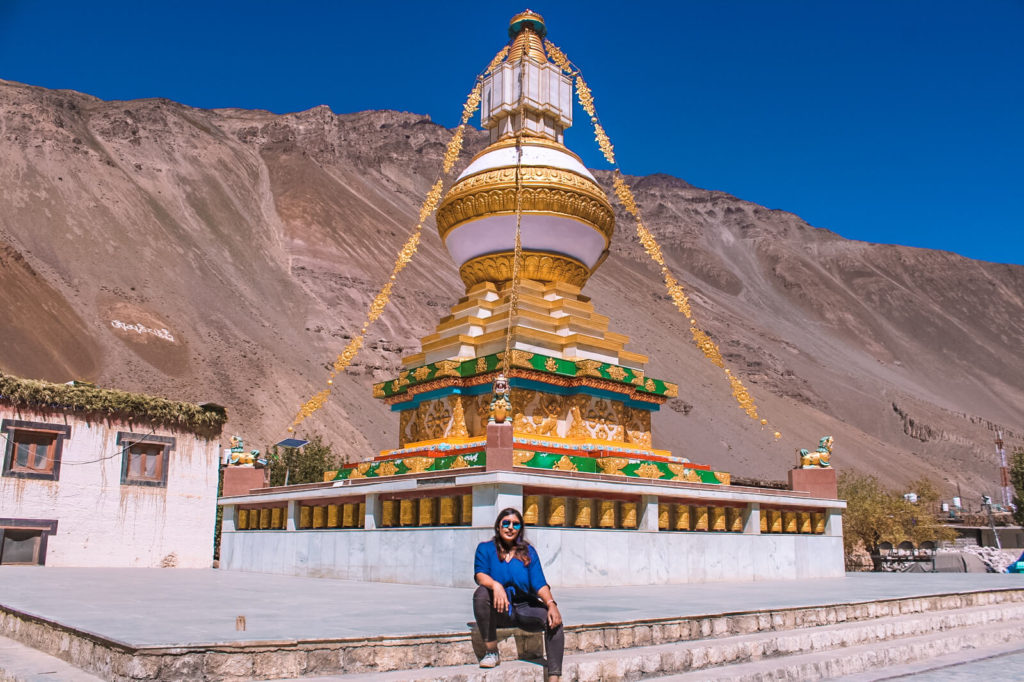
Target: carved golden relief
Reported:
[(481, 365), (459, 463), (544, 190), (518, 358), (671, 390), (612, 466), (418, 465), (616, 372), (723, 478), (550, 365), (535, 412), (406, 419), (564, 464), (360, 470), (648, 470), (683, 473), (521, 457), (403, 378), (458, 425), (542, 267), (378, 390), (448, 368), (421, 373), (588, 368), (387, 469), (638, 427), (577, 427), (649, 385)]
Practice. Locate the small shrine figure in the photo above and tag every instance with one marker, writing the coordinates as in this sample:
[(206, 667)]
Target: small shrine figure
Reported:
[(819, 459), (501, 406), (239, 457)]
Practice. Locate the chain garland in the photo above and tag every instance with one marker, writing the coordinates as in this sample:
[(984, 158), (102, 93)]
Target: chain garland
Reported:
[(701, 339), (405, 255)]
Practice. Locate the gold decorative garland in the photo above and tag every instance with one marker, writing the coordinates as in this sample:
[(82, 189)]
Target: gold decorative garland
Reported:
[(625, 195), (407, 252)]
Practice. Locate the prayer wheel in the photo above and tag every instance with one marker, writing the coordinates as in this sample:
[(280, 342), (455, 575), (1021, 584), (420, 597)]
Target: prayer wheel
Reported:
[(556, 511), (700, 518), (764, 520), (348, 514), (243, 519), (628, 512), (531, 509), (389, 513), (584, 513), (265, 518), (466, 509), (606, 514), (735, 520), (319, 516), (446, 515), (333, 517), (717, 518), (407, 512), (790, 521), (427, 511), (683, 517), (305, 516), (775, 521), (277, 517), (663, 512), (805, 522), (819, 522)]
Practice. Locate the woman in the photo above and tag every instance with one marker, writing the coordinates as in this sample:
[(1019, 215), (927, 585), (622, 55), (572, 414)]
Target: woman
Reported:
[(513, 592)]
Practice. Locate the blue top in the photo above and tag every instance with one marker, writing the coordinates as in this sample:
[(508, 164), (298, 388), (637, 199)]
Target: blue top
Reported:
[(517, 578)]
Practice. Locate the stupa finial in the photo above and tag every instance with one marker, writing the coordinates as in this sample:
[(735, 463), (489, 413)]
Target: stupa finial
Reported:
[(527, 19)]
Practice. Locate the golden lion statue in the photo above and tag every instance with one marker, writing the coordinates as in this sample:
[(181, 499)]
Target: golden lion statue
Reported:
[(819, 459)]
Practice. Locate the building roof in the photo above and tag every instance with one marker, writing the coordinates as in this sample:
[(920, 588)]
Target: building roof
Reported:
[(205, 420)]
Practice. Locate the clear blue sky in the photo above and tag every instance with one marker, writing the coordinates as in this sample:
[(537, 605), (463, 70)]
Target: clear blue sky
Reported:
[(896, 121)]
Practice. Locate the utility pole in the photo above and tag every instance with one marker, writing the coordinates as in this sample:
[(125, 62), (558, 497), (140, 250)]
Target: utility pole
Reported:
[(1004, 471)]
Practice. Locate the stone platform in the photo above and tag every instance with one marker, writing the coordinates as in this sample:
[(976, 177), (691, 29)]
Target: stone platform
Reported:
[(123, 624)]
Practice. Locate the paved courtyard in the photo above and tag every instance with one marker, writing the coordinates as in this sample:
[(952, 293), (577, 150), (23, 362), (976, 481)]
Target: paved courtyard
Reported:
[(152, 607)]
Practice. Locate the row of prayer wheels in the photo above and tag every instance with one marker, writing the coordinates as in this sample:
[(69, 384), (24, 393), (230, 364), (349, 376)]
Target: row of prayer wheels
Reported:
[(700, 517), (791, 521), (266, 518), (347, 515), (448, 510), (578, 512)]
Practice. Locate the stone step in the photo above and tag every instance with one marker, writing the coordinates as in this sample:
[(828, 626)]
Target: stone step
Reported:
[(808, 653), (20, 663)]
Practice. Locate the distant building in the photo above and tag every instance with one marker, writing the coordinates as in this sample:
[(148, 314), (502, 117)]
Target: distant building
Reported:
[(97, 477)]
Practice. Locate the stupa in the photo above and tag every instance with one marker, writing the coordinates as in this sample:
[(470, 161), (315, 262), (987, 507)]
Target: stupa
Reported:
[(527, 224)]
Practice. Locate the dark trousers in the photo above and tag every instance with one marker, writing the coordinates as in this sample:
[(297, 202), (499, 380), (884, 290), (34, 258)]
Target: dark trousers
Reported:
[(529, 618)]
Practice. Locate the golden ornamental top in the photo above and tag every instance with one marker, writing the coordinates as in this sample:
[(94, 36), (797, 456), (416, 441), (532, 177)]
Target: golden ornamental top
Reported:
[(526, 19)]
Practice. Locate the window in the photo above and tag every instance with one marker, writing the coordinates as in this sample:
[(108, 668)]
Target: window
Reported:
[(144, 458), (33, 449), (23, 541)]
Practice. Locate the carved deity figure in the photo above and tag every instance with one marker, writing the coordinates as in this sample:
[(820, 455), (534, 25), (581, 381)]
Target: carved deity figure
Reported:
[(501, 406), (239, 457), (819, 459)]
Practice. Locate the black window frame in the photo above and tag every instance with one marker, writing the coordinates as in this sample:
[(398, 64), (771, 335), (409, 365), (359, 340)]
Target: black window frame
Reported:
[(9, 426), (126, 440), (46, 528)]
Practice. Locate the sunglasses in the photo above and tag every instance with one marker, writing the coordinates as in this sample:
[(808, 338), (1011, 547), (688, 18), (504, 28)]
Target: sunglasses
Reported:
[(514, 525)]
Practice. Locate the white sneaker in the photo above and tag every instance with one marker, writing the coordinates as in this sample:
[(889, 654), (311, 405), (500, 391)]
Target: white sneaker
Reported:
[(490, 660)]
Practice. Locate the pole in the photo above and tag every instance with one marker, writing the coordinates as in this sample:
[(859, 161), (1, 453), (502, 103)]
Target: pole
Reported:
[(1004, 471), (986, 502)]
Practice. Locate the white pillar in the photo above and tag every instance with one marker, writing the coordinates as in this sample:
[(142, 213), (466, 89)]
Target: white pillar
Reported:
[(372, 513), (752, 520), (648, 513), (229, 519), (834, 523), (293, 514), (491, 498)]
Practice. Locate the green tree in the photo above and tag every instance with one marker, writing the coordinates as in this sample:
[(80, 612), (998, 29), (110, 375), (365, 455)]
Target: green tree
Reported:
[(301, 465), (1017, 481), (875, 515)]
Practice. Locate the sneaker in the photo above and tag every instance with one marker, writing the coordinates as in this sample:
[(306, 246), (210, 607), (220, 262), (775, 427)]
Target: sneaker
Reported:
[(490, 660)]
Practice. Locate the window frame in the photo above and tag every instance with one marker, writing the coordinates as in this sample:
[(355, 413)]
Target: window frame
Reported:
[(10, 426), (126, 440), (46, 528)]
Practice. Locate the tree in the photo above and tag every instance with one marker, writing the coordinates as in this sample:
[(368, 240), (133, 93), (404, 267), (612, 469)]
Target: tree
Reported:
[(301, 465), (1017, 481), (875, 515)]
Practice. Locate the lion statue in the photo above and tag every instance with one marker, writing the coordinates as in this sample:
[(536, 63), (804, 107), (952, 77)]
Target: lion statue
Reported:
[(819, 459), (501, 406)]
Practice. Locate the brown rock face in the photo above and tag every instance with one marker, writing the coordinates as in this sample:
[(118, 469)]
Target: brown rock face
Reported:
[(229, 255)]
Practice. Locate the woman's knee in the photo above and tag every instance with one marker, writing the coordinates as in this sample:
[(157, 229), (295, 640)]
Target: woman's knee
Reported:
[(482, 594)]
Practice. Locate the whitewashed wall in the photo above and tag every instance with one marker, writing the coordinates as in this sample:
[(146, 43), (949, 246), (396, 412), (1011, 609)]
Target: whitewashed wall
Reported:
[(104, 523)]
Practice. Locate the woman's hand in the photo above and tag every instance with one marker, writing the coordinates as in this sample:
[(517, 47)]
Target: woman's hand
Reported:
[(500, 598), (554, 615)]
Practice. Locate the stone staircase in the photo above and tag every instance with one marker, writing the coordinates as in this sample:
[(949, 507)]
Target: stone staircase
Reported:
[(793, 644)]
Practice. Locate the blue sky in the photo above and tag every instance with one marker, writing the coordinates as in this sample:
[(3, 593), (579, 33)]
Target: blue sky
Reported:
[(895, 121)]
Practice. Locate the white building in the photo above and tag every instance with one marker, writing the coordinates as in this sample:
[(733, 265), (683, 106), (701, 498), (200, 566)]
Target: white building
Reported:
[(96, 477)]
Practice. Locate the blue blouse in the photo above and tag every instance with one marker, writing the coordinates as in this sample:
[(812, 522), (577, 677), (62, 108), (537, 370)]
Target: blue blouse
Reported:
[(518, 579)]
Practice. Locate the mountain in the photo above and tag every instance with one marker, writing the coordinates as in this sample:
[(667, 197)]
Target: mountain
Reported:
[(228, 255)]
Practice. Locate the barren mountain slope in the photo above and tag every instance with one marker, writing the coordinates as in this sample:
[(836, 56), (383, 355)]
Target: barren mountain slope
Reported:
[(258, 240)]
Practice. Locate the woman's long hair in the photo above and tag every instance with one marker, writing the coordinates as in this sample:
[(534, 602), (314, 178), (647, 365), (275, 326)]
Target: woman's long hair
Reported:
[(520, 548)]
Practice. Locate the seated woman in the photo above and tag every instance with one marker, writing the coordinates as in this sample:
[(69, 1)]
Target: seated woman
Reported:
[(514, 593)]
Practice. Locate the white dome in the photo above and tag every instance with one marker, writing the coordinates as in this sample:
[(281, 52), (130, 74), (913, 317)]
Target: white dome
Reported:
[(506, 157)]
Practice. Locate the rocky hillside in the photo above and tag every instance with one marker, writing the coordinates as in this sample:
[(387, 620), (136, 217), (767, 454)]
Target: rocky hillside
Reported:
[(228, 255)]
